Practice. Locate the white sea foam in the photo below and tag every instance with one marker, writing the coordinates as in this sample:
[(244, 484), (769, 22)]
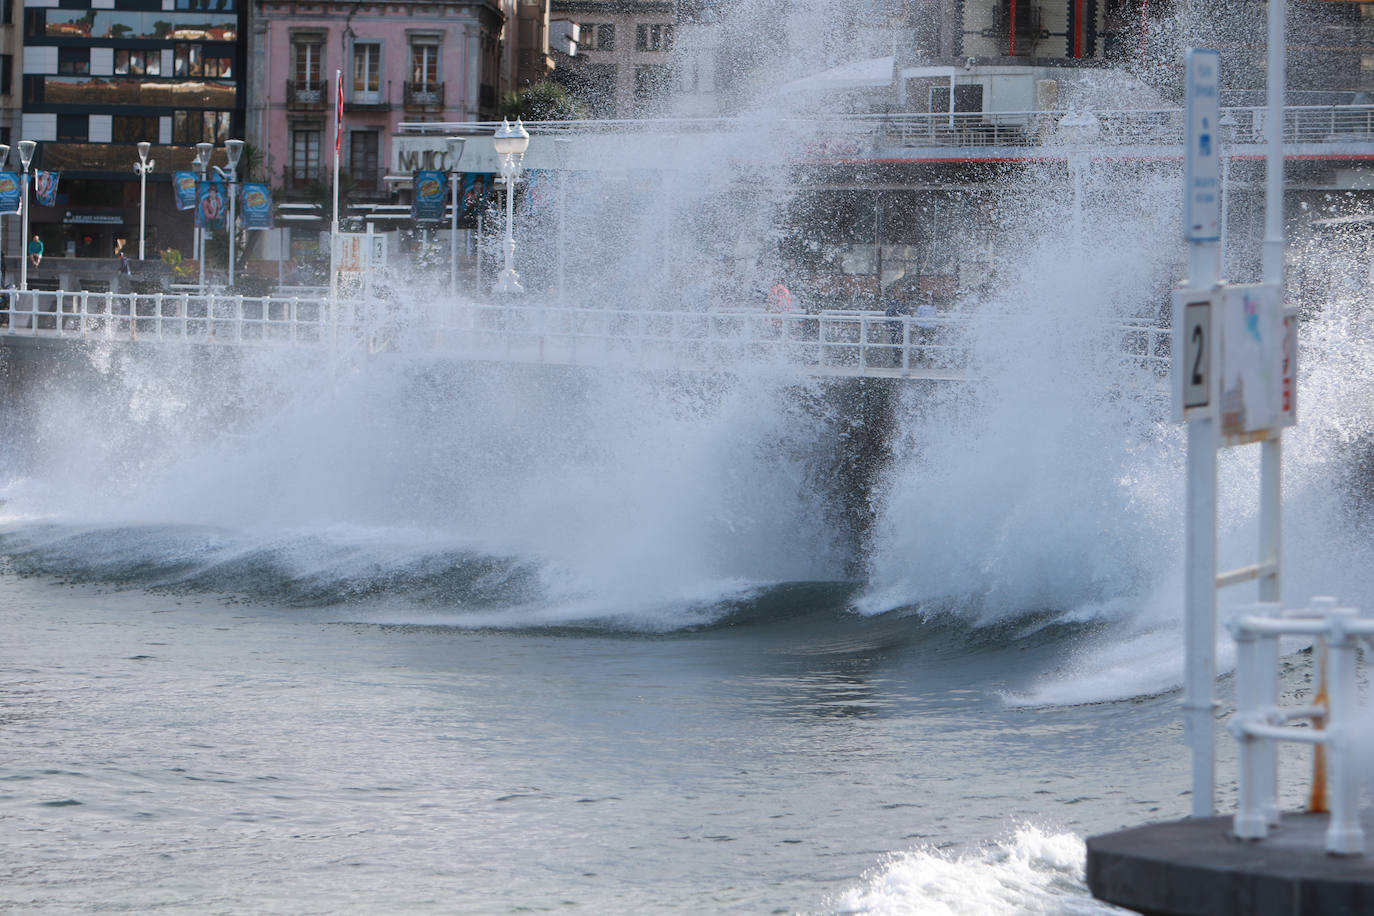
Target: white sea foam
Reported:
[(1034, 871)]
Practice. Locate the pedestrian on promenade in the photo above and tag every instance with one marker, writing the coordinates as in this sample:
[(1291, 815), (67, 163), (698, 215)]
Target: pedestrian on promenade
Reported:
[(35, 251)]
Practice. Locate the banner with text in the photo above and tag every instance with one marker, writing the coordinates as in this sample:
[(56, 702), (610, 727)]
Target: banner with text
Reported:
[(9, 192), (184, 187), (428, 203), (257, 206)]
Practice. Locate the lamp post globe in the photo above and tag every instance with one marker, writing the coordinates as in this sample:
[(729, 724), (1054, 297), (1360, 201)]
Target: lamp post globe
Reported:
[(511, 143)]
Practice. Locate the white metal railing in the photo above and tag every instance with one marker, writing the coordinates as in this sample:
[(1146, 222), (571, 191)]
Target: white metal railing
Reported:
[(1260, 722), (838, 136), (834, 342)]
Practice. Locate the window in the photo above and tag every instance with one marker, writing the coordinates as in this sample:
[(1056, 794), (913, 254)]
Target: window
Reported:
[(6, 74), (654, 38), (364, 164), (605, 37), (132, 129), (73, 61), (307, 64), (367, 72), (73, 128), (6, 12), (424, 63), (138, 63), (305, 157), (188, 60), (652, 83), (199, 127)]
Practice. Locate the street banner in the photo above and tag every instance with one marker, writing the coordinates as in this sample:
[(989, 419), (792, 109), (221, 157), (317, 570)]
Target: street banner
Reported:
[(476, 187), (45, 187), (428, 201), (541, 190), (257, 206), (211, 204), (184, 187), (9, 192)]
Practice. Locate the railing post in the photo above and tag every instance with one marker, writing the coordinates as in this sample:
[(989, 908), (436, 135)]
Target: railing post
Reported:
[(1343, 835), (1266, 751), (1249, 822)]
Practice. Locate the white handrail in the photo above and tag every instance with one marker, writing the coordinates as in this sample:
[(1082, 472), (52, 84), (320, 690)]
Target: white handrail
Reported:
[(1260, 723)]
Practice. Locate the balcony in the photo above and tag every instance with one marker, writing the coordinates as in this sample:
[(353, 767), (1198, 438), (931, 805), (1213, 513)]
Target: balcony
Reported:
[(369, 100), (307, 95), (423, 96)]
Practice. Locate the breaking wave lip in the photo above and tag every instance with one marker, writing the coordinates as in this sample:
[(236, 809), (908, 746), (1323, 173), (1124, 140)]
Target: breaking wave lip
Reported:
[(1033, 871)]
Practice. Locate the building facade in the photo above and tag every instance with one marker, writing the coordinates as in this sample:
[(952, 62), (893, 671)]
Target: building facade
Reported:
[(99, 76), (402, 60)]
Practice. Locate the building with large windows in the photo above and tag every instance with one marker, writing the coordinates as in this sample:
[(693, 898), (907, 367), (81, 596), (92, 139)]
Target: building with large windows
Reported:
[(99, 76)]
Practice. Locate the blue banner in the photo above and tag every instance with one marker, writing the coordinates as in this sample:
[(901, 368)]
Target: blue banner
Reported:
[(45, 187), (184, 188), (257, 206), (9, 192), (428, 201), (210, 205), (476, 187)]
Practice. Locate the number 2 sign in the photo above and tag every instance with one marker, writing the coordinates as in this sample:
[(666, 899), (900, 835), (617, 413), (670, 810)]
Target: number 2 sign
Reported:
[(1193, 354)]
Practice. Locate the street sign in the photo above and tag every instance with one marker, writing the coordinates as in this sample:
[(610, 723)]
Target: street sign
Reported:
[(1193, 350), (1252, 359), (1201, 156)]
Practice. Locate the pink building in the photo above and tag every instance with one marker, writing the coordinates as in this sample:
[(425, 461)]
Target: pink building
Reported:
[(402, 60)]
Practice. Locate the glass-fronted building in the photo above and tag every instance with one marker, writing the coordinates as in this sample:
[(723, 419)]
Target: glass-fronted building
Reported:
[(101, 75)]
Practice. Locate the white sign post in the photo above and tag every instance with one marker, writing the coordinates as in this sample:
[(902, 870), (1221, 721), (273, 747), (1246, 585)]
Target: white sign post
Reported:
[(1235, 370)]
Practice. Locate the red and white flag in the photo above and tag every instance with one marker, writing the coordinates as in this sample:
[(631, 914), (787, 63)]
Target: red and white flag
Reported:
[(338, 115)]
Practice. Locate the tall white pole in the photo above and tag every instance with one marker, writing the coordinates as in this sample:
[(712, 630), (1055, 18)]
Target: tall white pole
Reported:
[(334, 223), (453, 181), (24, 233), (142, 209), (233, 220)]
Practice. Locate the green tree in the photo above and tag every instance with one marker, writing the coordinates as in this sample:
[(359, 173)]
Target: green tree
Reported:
[(543, 101)]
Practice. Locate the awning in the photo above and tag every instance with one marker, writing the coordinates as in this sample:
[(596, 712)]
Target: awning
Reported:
[(859, 74)]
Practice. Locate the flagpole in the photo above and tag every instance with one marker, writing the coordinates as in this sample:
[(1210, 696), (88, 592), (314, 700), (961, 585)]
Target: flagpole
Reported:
[(334, 225)]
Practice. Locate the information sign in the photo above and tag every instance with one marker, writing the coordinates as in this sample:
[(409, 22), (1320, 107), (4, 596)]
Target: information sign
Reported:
[(1201, 157), (1252, 359)]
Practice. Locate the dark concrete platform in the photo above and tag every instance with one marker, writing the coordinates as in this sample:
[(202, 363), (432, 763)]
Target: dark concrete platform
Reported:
[(1195, 868)]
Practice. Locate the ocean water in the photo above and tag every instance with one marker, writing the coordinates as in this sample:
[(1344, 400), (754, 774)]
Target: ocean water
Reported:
[(199, 752)]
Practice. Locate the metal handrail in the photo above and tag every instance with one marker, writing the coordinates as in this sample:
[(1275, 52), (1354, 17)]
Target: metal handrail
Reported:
[(851, 343), (853, 133)]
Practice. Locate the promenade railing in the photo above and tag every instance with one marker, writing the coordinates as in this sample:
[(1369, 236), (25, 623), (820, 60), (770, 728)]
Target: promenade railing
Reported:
[(832, 342)]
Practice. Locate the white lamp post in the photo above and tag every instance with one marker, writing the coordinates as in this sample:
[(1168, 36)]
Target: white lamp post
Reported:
[(143, 166), (4, 160), (26, 148), (233, 149), (202, 163), (563, 148), (455, 153), (511, 143)]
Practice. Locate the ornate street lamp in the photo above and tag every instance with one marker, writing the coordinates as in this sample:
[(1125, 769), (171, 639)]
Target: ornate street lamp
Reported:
[(1080, 129), (4, 160), (455, 177), (511, 143), (562, 149), (26, 148)]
